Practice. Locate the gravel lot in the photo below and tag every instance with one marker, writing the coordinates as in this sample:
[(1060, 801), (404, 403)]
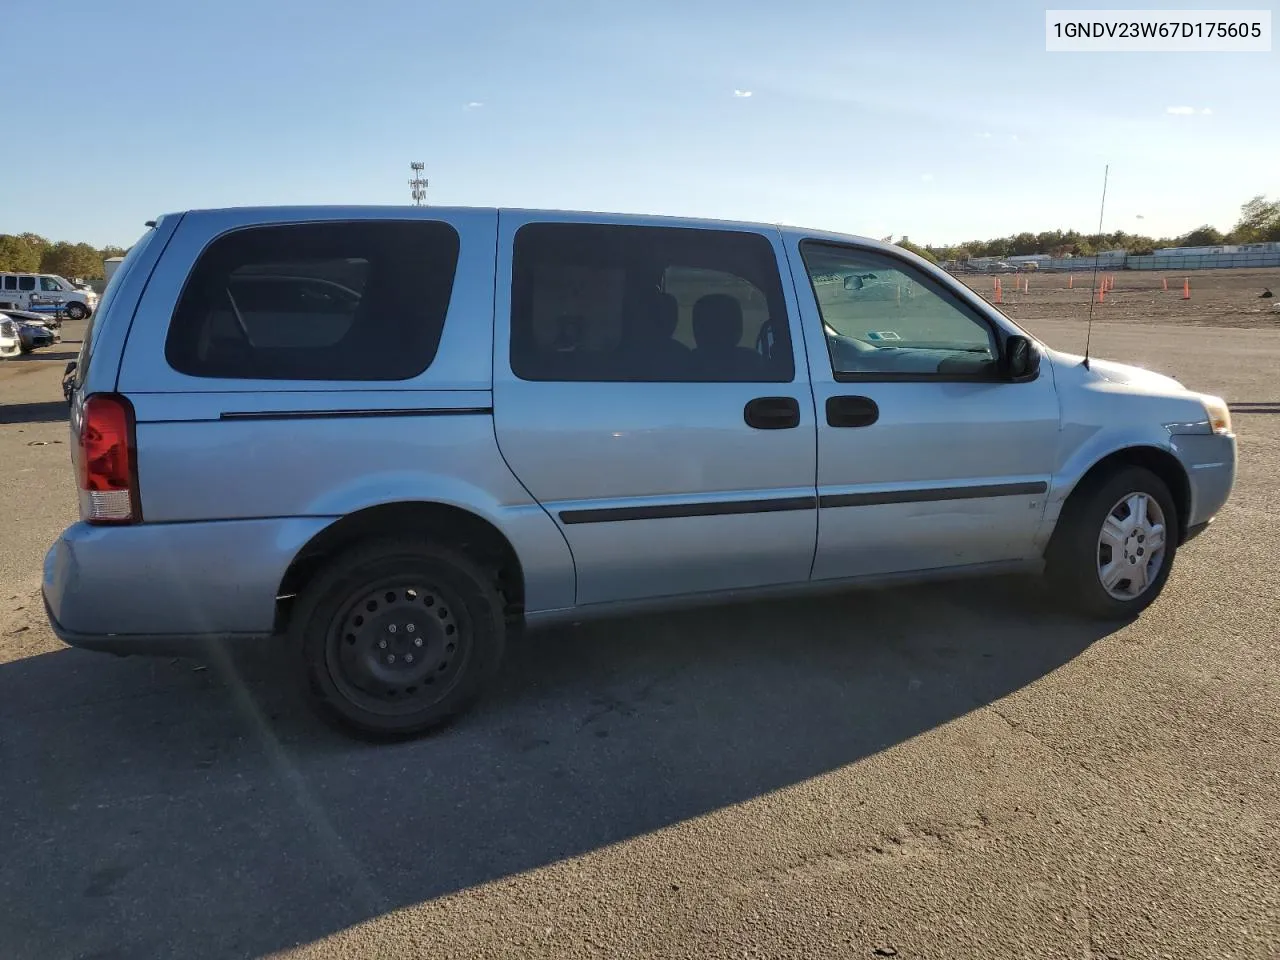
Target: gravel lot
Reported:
[(945, 772)]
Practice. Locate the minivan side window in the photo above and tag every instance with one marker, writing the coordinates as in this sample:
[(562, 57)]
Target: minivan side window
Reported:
[(605, 302), (10, 282), (316, 301), (886, 320), (50, 284), (26, 283)]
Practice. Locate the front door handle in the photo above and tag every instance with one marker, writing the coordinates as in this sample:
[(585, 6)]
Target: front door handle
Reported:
[(772, 413), (850, 411)]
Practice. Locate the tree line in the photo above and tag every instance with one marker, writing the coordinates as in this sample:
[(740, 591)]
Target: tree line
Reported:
[(1259, 222), (32, 253)]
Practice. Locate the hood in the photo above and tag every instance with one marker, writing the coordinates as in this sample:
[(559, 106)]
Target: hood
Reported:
[(1121, 373)]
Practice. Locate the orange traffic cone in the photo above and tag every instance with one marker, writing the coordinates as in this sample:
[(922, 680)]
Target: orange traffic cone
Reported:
[(999, 298), (1071, 280), (1164, 283), (1186, 288), (1102, 293)]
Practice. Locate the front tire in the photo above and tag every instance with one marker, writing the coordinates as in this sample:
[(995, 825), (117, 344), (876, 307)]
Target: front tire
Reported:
[(77, 311), (398, 637), (1115, 544)]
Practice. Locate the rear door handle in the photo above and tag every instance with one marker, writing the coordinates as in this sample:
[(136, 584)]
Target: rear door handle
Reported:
[(847, 411), (772, 413)]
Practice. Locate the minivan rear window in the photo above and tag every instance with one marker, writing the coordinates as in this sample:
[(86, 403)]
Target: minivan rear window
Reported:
[(316, 301)]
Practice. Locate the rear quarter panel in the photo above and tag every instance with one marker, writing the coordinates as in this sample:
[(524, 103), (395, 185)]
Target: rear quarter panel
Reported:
[(225, 451)]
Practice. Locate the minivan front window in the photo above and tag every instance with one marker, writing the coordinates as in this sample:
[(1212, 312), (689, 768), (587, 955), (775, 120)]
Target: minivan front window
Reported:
[(53, 284), (882, 318)]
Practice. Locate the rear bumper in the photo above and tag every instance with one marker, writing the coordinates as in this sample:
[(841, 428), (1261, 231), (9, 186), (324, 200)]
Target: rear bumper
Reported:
[(148, 644), (155, 588)]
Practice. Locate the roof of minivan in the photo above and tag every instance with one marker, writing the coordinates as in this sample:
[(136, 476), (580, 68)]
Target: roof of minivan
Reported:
[(390, 211)]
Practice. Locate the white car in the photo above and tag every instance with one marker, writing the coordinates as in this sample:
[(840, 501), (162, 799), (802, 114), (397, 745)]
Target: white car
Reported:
[(45, 293), (10, 343)]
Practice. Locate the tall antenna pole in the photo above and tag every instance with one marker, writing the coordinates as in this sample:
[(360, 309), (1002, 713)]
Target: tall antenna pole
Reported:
[(418, 183), (1093, 284)]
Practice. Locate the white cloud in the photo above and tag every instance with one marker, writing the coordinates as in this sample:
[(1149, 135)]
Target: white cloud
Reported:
[(1206, 111), (475, 104), (926, 177), (1180, 111), (742, 93), (985, 135)]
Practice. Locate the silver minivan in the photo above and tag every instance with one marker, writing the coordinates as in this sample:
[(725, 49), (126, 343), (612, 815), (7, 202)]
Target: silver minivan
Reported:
[(390, 436)]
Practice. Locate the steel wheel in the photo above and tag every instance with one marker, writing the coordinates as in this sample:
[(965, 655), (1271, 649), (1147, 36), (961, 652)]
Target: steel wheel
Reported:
[(397, 647), (1131, 546), (77, 311)]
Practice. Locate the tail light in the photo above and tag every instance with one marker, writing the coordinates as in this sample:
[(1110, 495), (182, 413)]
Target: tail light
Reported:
[(106, 461)]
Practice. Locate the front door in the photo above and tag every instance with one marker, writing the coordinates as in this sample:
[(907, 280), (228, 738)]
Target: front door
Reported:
[(928, 458), (647, 394)]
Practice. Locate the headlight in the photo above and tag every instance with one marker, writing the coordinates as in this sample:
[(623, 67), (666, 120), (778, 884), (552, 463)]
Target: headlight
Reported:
[(1219, 415)]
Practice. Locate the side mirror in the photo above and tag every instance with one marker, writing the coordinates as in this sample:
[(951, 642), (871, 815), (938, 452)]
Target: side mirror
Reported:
[(853, 283), (1021, 359)]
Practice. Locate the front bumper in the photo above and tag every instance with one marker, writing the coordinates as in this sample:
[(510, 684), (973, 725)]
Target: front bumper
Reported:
[(1210, 462)]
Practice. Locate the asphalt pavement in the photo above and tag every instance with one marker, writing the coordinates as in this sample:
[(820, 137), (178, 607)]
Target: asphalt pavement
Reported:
[(951, 771)]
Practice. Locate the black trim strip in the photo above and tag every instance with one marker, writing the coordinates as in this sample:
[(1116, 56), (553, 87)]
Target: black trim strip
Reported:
[(336, 414), (935, 493), (667, 510)]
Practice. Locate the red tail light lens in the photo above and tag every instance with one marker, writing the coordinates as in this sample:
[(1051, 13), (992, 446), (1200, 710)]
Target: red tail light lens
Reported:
[(106, 468)]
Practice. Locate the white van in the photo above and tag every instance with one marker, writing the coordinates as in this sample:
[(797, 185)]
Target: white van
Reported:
[(45, 293)]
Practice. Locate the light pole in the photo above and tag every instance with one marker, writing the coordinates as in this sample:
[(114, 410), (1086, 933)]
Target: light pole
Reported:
[(418, 184)]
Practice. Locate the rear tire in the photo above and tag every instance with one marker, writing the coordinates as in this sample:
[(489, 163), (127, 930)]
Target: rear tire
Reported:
[(1115, 544), (397, 637), (77, 311)]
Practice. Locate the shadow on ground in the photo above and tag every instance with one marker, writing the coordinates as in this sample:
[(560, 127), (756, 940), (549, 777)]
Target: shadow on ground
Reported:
[(47, 354), (50, 411), (159, 808)]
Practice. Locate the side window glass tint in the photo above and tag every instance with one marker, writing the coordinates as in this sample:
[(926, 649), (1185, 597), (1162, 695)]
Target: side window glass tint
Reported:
[(323, 301), (603, 302), (26, 283), (49, 284), (883, 318), (11, 283)]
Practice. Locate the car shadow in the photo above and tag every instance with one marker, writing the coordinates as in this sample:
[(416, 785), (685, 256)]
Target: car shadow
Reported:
[(170, 807), (46, 354), (49, 411)]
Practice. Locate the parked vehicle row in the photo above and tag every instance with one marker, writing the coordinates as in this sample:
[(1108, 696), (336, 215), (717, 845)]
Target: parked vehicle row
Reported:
[(388, 436), (22, 332)]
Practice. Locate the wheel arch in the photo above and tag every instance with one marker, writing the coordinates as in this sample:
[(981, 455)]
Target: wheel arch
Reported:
[(1159, 461), (452, 526)]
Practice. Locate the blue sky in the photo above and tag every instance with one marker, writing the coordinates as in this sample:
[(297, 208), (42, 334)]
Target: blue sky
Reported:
[(938, 120)]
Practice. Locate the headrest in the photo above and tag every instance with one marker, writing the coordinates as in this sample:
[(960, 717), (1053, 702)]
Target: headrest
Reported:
[(717, 322)]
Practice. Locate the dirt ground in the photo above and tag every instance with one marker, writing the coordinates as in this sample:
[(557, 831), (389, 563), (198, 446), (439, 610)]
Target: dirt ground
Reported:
[(1219, 298), (944, 772)]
